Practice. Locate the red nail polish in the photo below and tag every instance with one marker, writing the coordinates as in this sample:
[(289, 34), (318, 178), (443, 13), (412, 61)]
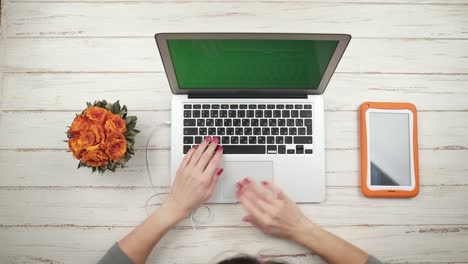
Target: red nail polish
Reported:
[(220, 148), (239, 185), (216, 140), (264, 182), (220, 170), (208, 139), (246, 181), (195, 147)]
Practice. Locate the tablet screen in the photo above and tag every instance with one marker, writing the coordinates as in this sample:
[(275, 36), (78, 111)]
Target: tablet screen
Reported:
[(389, 148)]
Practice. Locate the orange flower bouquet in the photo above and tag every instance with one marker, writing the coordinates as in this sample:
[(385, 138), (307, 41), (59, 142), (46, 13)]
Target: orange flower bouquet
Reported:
[(102, 136)]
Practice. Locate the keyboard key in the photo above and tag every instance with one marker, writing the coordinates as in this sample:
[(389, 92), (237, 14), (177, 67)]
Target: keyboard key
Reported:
[(266, 131), (277, 113), (261, 106), (187, 113), (250, 113), (270, 140), (281, 149), (200, 122), (298, 106), (299, 122), (221, 131), (244, 149), (232, 113), (206, 106), (275, 131), (283, 131), (188, 140), (187, 106), (294, 113), (271, 106), (285, 113), (241, 113), (236, 122), (268, 113), (244, 140), (234, 140), (272, 122), (252, 140), (248, 131), (301, 131), (279, 106), (307, 106), (212, 131), (230, 131), (289, 106), (225, 140), (306, 113), (245, 122), (271, 149), (224, 106), (292, 131), (223, 113), (243, 106), (205, 113), (196, 113), (215, 106), (189, 122), (308, 124), (252, 106), (210, 122), (263, 122), (281, 122), (288, 140), (290, 122), (197, 106), (202, 131), (257, 131), (261, 140), (254, 122), (300, 149), (214, 113), (187, 148), (234, 106), (290, 151), (218, 122), (302, 140), (227, 122), (279, 140), (259, 113), (239, 131), (198, 140), (308, 151), (190, 131)]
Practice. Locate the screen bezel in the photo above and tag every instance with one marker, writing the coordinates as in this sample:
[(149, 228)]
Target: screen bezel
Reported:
[(161, 40), (413, 177)]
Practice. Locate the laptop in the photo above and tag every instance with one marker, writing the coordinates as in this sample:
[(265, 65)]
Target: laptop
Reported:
[(261, 94)]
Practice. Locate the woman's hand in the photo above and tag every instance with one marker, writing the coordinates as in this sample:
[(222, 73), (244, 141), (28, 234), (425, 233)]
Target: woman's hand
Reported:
[(270, 210), (196, 177)]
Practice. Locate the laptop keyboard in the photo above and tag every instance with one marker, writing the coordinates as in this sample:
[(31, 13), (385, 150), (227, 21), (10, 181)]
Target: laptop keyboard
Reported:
[(251, 128)]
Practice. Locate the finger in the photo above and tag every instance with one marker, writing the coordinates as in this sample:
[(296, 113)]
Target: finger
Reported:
[(199, 152), (259, 191), (214, 181), (251, 208), (277, 192), (186, 159), (214, 162), (251, 220), (207, 155), (266, 206)]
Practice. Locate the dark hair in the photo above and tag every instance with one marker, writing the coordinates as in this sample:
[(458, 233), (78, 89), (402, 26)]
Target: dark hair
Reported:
[(248, 260)]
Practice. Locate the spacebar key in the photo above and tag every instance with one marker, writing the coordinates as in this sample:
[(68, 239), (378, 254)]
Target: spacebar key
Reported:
[(247, 149)]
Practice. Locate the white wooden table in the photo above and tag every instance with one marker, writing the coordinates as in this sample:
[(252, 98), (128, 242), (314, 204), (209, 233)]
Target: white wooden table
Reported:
[(58, 54)]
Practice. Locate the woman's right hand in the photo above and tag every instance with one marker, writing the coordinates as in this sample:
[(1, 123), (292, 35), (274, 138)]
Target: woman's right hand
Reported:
[(270, 210)]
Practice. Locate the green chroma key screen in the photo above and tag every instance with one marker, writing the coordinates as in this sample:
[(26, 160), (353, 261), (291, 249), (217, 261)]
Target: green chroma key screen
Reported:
[(250, 63)]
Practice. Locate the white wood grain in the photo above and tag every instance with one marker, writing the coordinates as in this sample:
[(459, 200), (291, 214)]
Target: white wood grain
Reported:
[(46, 130), (58, 168), (103, 206), (140, 55), (150, 91), (147, 18), (380, 2), (86, 245)]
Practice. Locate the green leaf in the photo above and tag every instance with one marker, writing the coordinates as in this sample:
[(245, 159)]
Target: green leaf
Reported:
[(116, 107), (130, 119)]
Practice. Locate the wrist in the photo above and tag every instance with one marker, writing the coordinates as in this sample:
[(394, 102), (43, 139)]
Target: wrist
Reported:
[(171, 212), (305, 232)]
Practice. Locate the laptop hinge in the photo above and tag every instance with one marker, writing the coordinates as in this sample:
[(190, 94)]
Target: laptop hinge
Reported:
[(253, 95)]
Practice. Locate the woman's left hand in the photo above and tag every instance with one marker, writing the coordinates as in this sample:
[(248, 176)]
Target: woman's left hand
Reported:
[(196, 177)]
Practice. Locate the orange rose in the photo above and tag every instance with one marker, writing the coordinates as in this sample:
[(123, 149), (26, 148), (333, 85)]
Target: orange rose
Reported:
[(75, 147), (115, 123), (97, 114), (94, 135), (95, 158), (80, 123), (116, 146)]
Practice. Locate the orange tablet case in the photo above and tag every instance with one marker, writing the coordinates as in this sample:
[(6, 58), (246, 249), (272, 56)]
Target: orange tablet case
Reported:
[(364, 155)]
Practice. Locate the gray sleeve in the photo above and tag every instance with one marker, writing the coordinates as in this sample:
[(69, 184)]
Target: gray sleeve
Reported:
[(373, 260), (115, 255)]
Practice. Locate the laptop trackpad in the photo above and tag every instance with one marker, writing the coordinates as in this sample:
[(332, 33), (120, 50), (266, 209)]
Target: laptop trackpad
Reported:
[(235, 171)]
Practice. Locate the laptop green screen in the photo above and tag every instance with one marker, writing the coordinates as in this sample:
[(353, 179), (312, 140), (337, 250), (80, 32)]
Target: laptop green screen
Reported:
[(250, 63)]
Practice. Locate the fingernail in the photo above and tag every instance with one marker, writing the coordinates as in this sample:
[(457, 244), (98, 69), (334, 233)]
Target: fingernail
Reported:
[(264, 182), (195, 147), (239, 185), (220, 148), (208, 139), (216, 140), (246, 180), (220, 170)]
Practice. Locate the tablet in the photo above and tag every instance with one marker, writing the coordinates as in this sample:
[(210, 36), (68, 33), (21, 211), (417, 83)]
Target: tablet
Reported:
[(389, 150)]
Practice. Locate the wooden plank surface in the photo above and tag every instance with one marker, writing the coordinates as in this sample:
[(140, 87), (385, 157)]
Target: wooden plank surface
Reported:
[(141, 55), (138, 19), (88, 244)]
